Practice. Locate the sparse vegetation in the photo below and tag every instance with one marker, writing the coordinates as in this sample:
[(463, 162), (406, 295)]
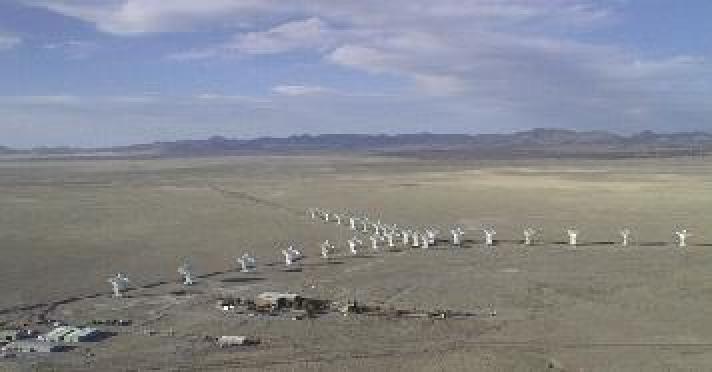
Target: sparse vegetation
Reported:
[(67, 225)]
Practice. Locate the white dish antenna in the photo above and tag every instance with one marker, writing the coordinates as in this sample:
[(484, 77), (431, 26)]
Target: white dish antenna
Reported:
[(119, 284), (489, 236), (682, 236), (573, 236), (186, 271)]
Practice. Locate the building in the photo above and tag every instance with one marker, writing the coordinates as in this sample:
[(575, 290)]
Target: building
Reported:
[(71, 334), (32, 346), (57, 334), (10, 335), (82, 335), (276, 300), (229, 341)]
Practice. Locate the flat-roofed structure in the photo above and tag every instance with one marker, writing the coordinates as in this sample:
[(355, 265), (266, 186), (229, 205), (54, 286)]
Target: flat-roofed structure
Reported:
[(9, 335), (229, 341), (71, 334), (276, 300), (32, 346)]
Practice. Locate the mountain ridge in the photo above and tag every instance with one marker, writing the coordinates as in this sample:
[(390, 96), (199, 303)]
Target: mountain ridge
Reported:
[(535, 141)]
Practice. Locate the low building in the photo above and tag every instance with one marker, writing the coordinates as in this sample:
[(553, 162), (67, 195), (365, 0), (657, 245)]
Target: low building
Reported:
[(276, 300), (111, 322), (279, 301), (82, 335), (230, 341), (57, 334), (71, 334), (10, 335), (32, 346)]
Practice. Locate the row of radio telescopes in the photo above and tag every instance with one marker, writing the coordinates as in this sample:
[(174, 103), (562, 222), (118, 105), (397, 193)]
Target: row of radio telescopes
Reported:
[(380, 235), (384, 232)]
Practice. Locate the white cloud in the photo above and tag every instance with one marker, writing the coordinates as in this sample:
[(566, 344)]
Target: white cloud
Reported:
[(9, 42), (305, 34), (365, 58), (135, 17), (76, 100), (229, 99), (130, 17), (194, 55), (440, 84), (73, 49), (300, 90), (61, 99), (302, 34), (521, 59)]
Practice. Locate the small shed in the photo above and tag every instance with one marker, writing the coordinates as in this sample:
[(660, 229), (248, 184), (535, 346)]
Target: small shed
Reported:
[(57, 334), (32, 346), (276, 300), (71, 334), (230, 341), (82, 335), (10, 335)]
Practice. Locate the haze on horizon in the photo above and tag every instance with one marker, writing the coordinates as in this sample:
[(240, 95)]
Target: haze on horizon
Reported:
[(114, 72)]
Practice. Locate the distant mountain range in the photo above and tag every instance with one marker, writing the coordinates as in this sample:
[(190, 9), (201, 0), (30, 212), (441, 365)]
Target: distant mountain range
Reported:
[(534, 143)]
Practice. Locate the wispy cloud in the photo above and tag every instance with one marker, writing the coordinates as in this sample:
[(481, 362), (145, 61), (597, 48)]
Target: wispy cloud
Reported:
[(194, 54), (301, 90), (8, 42), (61, 99), (311, 33), (305, 34), (136, 17), (73, 49), (469, 65), (78, 100)]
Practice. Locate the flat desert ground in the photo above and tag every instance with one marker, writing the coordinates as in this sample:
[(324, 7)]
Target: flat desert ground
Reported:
[(66, 226)]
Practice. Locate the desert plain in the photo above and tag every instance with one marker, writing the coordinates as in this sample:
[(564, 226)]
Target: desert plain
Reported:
[(68, 225)]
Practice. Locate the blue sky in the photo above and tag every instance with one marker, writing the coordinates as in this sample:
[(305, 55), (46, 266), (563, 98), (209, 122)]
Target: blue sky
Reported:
[(111, 72)]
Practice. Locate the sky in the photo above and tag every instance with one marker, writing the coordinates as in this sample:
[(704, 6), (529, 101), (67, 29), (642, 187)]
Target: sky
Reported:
[(113, 72)]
